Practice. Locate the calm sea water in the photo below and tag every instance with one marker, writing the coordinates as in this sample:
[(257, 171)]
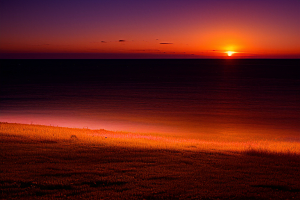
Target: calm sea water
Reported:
[(189, 98)]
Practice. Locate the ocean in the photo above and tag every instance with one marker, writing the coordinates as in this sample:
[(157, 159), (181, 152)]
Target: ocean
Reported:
[(236, 99)]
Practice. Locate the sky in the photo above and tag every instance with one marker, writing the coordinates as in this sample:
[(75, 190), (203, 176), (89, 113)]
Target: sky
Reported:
[(150, 29)]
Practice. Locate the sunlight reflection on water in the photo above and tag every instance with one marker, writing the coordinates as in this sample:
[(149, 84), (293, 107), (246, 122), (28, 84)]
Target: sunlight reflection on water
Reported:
[(196, 99)]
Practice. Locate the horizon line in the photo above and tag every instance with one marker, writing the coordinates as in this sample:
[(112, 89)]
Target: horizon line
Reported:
[(68, 55)]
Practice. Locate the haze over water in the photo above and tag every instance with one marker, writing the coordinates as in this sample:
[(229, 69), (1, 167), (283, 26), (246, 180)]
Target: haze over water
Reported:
[(189, 98)]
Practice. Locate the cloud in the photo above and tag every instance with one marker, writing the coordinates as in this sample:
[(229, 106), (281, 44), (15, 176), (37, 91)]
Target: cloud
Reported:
[(103, 42), (165, 43), (121, 40)]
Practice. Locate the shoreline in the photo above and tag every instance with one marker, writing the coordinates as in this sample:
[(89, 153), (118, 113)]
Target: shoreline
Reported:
[(147, 140)]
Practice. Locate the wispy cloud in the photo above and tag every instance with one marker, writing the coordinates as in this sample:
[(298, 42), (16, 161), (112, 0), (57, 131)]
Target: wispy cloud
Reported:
[(121, 40), (165, 43)]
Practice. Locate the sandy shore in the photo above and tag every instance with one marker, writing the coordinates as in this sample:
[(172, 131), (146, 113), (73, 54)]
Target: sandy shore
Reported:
[(51, 162)]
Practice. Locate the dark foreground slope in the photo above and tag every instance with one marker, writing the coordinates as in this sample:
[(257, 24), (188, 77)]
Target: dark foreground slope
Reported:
[(43, 169)]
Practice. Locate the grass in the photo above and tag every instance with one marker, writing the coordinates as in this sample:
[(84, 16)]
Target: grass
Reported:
[(44, 162), (268, 153), (50, 134)]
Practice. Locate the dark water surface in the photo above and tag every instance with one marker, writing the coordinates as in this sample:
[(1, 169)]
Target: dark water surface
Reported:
[(189, 98)]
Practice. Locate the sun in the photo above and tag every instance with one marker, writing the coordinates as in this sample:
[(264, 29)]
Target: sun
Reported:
[(230, 53)]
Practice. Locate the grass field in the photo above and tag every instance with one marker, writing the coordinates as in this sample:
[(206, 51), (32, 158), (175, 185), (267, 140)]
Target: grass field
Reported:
[(47, 162)]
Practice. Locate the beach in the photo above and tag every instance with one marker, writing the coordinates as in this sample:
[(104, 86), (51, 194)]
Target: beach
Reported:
[(63, 163)]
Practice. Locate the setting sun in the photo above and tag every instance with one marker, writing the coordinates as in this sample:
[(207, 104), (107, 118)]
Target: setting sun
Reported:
[(230, 53)]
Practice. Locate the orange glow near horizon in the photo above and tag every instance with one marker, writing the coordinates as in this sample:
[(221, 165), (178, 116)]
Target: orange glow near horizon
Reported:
[(183, 30), (230, 53)]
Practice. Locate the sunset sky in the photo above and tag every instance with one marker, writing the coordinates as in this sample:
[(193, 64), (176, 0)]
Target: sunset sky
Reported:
[(150, 29)]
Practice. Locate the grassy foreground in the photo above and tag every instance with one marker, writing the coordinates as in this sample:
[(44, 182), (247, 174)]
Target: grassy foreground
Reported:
[(47, 162)]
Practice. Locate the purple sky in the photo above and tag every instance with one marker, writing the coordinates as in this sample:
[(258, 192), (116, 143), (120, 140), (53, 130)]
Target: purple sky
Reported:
[(265, 28)]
